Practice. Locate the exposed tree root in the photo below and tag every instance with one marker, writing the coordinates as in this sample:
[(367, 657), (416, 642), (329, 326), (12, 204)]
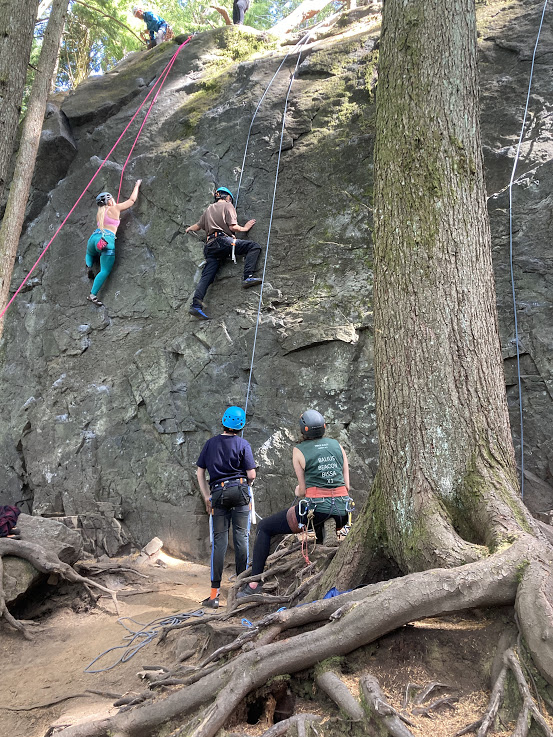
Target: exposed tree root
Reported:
[(299, 720), (381, 710), (336, 689), (352, 620), (448, 701), (61, 699), (529, 711), (44, 561)]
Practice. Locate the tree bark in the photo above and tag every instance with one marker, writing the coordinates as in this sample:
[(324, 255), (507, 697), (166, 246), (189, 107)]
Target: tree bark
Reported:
[(14, 216), (446, 491), (17, 23)]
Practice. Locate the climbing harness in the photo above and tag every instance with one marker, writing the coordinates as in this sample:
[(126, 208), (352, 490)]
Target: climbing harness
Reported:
[(138, 638), (350, 506), (517, 344), (155, 89)]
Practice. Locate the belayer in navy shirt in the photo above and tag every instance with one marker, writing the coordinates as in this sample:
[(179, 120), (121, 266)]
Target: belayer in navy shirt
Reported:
[(228, 459)]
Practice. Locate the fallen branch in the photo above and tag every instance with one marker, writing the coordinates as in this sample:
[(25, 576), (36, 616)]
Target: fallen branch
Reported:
[(223, 12), (45, 561)]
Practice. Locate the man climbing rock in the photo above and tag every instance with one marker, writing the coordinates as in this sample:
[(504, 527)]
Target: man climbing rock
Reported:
[(157, 27), (239, 9), (220, 223), (229, 460)]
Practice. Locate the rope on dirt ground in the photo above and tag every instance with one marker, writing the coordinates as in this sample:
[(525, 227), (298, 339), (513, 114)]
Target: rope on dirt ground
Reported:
[(141, 637), (511, 253)]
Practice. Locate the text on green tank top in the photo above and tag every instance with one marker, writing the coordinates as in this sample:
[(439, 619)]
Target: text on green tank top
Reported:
[(324, 463)]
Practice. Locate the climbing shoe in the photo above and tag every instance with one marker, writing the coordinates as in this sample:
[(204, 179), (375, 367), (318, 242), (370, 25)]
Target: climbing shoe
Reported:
[(197, 311), (211, 603), (90, 273), (248, 591), (251, 281), (329, 533)]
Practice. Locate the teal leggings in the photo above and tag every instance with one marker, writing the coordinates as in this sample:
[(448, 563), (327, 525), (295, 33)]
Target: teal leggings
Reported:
[(107, 257)]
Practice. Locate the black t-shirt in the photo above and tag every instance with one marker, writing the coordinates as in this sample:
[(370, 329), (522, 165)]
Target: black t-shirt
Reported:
[(226, 457)]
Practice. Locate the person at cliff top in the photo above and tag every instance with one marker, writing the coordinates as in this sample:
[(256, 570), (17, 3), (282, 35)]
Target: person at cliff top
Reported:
[(102, 242), (322, 470), (229, 460), (220, 223), (156, 26), (239, 9)]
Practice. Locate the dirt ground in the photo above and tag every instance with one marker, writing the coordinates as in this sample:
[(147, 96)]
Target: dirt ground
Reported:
[(44, 684)]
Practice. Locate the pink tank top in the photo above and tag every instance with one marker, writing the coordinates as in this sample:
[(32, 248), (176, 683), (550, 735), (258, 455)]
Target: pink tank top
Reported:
[(110, 222)]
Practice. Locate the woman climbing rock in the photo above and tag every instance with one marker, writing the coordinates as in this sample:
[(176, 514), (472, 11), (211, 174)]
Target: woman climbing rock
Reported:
[(102, 242)]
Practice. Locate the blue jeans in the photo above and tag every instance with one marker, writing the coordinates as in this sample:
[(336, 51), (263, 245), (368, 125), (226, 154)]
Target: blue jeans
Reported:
[(107, 256), (220, 521)]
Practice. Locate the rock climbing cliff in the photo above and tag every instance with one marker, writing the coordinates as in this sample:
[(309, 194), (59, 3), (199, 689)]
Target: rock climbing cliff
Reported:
[(105, 409)]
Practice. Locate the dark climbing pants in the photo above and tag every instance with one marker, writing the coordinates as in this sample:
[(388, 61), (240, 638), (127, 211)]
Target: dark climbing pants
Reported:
[(277, 524), (239, 9), (222, 247), (220, 521)]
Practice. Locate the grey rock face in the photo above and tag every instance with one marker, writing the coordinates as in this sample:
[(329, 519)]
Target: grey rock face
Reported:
[(105, 410)]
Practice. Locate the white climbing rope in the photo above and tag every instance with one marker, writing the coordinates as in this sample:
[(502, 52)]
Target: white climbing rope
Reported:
[(302, 40), (292, 77), (511, 253)]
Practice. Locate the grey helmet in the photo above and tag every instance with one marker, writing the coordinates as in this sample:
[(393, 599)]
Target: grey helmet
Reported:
[(312, 424), (103, 198)]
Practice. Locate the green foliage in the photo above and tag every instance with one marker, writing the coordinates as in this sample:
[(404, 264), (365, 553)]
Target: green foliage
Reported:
[(92, 41), (99, 33)]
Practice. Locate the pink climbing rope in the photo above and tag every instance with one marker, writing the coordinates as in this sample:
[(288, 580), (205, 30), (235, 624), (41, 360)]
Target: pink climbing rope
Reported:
[(163, 77), (159, 84)]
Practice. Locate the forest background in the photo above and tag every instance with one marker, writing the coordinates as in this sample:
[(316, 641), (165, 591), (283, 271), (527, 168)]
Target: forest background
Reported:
[(98, 35)]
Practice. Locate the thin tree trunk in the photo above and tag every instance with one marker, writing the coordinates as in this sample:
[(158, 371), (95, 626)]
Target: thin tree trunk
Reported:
[(14, 216), (43, 6), (303, 12), (17, 23)]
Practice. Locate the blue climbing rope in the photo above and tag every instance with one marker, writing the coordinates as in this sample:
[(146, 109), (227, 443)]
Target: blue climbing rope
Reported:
[(517, 344), (141, 637)]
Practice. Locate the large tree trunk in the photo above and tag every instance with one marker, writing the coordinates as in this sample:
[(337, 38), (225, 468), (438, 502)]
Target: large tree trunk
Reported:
[(25, 163), (17, 23), (446, 491)]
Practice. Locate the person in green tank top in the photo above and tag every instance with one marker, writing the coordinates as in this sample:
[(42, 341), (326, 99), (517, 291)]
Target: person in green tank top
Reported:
[(321, 467)]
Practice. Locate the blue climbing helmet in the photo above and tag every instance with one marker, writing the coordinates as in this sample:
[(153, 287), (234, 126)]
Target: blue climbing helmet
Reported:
[(312, 424), (234, 418), (103, 199), (221, 191)]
